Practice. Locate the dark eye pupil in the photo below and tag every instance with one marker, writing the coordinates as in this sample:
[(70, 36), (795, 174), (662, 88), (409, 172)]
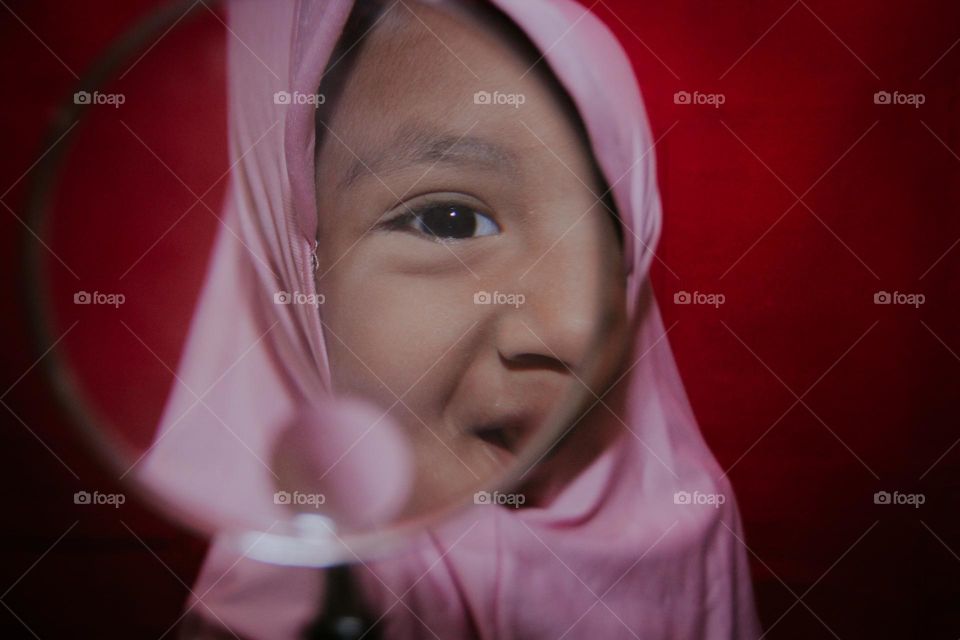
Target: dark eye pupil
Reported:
[(449, 222)]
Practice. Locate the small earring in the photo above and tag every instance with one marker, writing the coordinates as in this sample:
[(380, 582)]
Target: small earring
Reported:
[(314, 260)]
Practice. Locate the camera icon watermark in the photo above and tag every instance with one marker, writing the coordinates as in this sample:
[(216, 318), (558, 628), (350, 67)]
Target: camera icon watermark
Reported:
[(96, 98), (909, 299), (897, 98), (497, 297), (697, 98), (297, 297), (698, 498), (110, 299), (496, 98), (515, 500), (97, 498), (914, 500), (709, 299), (299, 499)]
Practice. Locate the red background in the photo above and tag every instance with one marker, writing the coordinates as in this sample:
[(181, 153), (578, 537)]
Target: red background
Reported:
[(879, 187)]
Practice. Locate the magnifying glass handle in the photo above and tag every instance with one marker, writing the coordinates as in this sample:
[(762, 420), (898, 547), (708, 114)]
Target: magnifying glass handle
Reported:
[(343, 616)]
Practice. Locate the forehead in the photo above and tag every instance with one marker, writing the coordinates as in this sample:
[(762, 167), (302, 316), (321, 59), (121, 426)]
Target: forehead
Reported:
[(414, 80), (443, 46)]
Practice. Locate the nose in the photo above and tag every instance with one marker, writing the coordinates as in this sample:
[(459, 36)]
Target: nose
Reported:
[(565, 300)]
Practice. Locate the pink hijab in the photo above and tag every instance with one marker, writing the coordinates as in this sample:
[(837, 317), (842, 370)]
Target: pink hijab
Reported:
[(620, 553)]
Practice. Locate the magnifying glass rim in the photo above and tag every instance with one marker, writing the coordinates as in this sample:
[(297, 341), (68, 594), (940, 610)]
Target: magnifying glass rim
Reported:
[(114, 456)]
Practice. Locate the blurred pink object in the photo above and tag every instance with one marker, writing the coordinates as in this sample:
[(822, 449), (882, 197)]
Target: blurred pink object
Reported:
[(365, 481), (617, 554)]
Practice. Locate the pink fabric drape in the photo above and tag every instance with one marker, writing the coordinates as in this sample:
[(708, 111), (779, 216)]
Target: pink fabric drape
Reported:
[(615, 555)]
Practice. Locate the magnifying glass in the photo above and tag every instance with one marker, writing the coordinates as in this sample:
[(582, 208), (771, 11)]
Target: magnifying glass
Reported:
[(126, 208)]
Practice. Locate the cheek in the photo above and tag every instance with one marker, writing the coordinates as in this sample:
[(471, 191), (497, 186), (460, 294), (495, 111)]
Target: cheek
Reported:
[(392, 330)]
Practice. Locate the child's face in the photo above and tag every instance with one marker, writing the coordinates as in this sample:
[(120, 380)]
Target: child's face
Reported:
[(427, 197)]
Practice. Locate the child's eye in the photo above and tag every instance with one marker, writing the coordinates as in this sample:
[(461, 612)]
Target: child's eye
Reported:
[(447, 222)]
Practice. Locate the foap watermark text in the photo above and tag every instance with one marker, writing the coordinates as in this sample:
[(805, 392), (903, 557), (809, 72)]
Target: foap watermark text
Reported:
[(697, 98), (298, 297), (699, 498), (897, 98), (909, 299), (496, 98), (97, 498), (499, 297), (297, 97), (299, 499), (95, 98), (912, 499), (697, 297), (97, 297), (514, 500)]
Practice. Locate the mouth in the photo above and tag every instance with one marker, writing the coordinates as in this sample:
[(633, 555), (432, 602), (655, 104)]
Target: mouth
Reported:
[(505, 437), (500, 436), (506, 441)]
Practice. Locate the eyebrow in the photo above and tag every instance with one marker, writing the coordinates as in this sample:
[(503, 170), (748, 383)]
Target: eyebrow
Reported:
[(415, 145)]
